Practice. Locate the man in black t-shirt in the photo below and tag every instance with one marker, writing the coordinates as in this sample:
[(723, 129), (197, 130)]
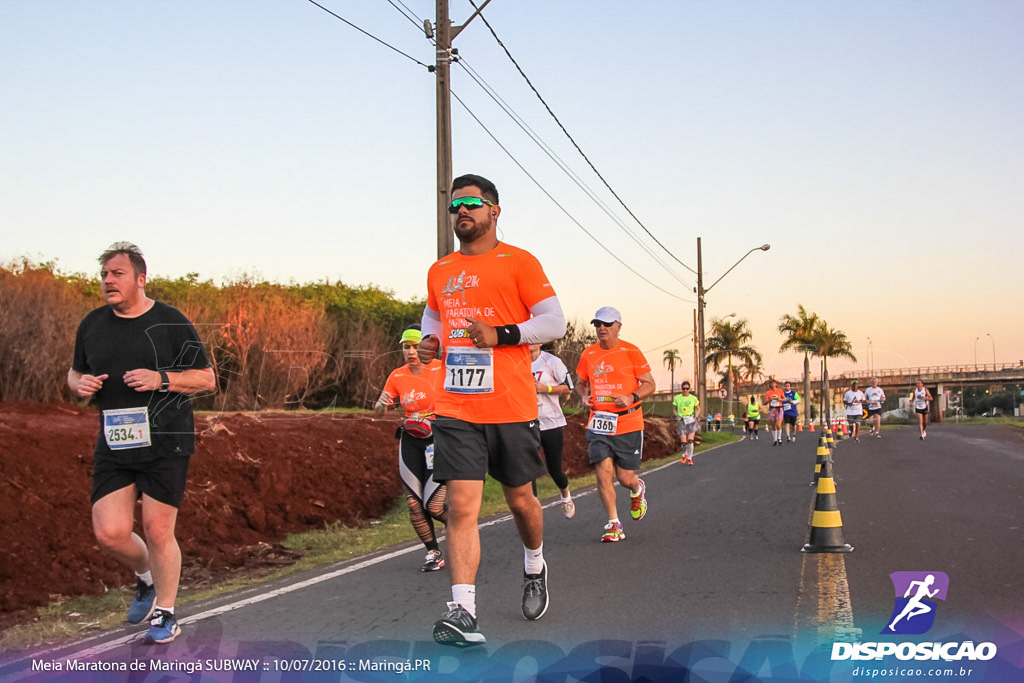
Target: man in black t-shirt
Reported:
[(138, 360)]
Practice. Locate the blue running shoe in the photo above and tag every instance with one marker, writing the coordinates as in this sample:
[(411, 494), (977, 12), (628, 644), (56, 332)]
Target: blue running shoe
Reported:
[(163, 628), (142, 604)]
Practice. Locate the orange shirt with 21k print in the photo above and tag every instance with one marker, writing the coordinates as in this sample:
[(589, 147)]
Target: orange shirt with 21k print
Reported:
[(416, 393), (614, 372), (498, 287)]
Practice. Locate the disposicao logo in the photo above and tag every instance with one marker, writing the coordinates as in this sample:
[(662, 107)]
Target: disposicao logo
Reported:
[(915, 606), (913, 613)]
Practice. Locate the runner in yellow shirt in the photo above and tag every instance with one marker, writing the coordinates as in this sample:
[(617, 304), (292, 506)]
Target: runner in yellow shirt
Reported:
[(684, 407)]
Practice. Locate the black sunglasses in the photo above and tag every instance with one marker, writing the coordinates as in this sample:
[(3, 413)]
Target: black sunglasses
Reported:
[(601, 323)]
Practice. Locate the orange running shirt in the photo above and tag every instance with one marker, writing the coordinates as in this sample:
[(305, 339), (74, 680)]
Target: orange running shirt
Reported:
[(777, 394), (499, 288), (416, 393), (613, 373)]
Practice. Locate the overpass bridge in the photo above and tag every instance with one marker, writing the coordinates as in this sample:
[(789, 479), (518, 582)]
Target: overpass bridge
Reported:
[(897, 382), (942, 381), (933, 376)]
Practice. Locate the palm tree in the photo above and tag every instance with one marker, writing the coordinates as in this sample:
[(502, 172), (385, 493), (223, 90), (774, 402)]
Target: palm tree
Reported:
[(830, 343), (730, 340), (799, 331), (671, 358)]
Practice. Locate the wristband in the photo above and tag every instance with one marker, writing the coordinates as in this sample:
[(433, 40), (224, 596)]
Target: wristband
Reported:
[(508, 335), (549, 388), (636, 397)]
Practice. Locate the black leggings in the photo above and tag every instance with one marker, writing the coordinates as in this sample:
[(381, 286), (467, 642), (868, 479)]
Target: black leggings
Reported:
[(551, 441), (425, 496)]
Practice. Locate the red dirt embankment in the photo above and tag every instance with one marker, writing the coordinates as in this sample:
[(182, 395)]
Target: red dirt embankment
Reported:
[(254, 479)]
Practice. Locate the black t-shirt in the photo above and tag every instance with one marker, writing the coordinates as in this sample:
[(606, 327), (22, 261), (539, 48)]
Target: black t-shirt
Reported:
[(162, 338)]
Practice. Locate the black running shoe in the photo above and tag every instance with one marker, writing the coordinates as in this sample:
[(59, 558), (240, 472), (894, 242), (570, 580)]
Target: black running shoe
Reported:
[(457, 627), (535, 594)]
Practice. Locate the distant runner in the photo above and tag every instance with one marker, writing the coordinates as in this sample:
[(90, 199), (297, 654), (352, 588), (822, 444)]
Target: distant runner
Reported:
[(875, 397), (853, 399), (614, 377), (684, 407), (415, 385), (753, 417), (773, 398), (551, 378), (790, 411), (485, 304), (922, 402)]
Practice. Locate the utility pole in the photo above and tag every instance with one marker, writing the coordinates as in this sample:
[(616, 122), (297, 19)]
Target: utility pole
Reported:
[(701, 365), (442, 64), (445, 33)]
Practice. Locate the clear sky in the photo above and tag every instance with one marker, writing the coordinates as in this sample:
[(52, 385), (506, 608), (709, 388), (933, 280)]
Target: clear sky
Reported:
[(877, 146)]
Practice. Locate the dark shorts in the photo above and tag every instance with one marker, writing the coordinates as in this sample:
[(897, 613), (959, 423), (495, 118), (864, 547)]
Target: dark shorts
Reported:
[(161, 478), (626, 450), (509, 452), (921, 411), (789, 419), (753, 420), (874, 411)]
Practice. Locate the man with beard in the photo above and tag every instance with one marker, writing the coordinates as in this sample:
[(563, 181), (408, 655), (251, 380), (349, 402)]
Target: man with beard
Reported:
[(136, 359), (485, 304)]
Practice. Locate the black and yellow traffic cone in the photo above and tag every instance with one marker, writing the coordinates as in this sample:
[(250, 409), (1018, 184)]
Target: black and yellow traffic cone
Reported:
[(823, 453), (826, 522)]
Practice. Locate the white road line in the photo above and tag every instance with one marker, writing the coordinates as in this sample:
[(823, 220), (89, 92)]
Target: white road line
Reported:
[(223, 609)]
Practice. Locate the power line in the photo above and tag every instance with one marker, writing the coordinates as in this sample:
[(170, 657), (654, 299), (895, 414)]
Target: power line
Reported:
[(580, 183), (408, 14), (667, 343), (555, 201), (370, 35), (573, 141)]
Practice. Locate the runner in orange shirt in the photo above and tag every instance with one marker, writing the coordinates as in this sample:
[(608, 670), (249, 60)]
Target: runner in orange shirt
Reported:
[(415, 387), (774, 399), (485, 304), (614, 377)]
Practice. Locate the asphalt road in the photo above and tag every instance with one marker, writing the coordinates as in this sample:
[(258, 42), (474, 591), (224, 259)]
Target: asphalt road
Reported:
[(712, 579)]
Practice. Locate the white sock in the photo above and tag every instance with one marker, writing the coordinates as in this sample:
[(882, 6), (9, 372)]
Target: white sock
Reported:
[(533, 561), (169, 610), (147, 577), (565, 499), (689, 450), (465, 594), (613, 521)]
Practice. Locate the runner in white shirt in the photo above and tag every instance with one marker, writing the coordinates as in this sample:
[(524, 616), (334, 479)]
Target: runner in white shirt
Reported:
[(875, 397), (922, 401), (552, 380), (852, 399)]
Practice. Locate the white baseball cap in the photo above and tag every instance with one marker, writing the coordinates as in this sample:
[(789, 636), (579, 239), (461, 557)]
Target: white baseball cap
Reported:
[(607, 314)]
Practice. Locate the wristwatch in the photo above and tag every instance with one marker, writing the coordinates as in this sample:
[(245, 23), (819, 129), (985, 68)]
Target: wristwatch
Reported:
[(165, 382)]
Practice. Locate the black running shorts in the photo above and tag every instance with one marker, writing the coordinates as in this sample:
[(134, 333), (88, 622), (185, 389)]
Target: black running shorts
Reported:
[(509, 452), (626, 450), (161, 478)]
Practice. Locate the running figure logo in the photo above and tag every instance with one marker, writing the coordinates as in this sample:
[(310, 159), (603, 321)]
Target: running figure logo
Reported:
[(914, 612)]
